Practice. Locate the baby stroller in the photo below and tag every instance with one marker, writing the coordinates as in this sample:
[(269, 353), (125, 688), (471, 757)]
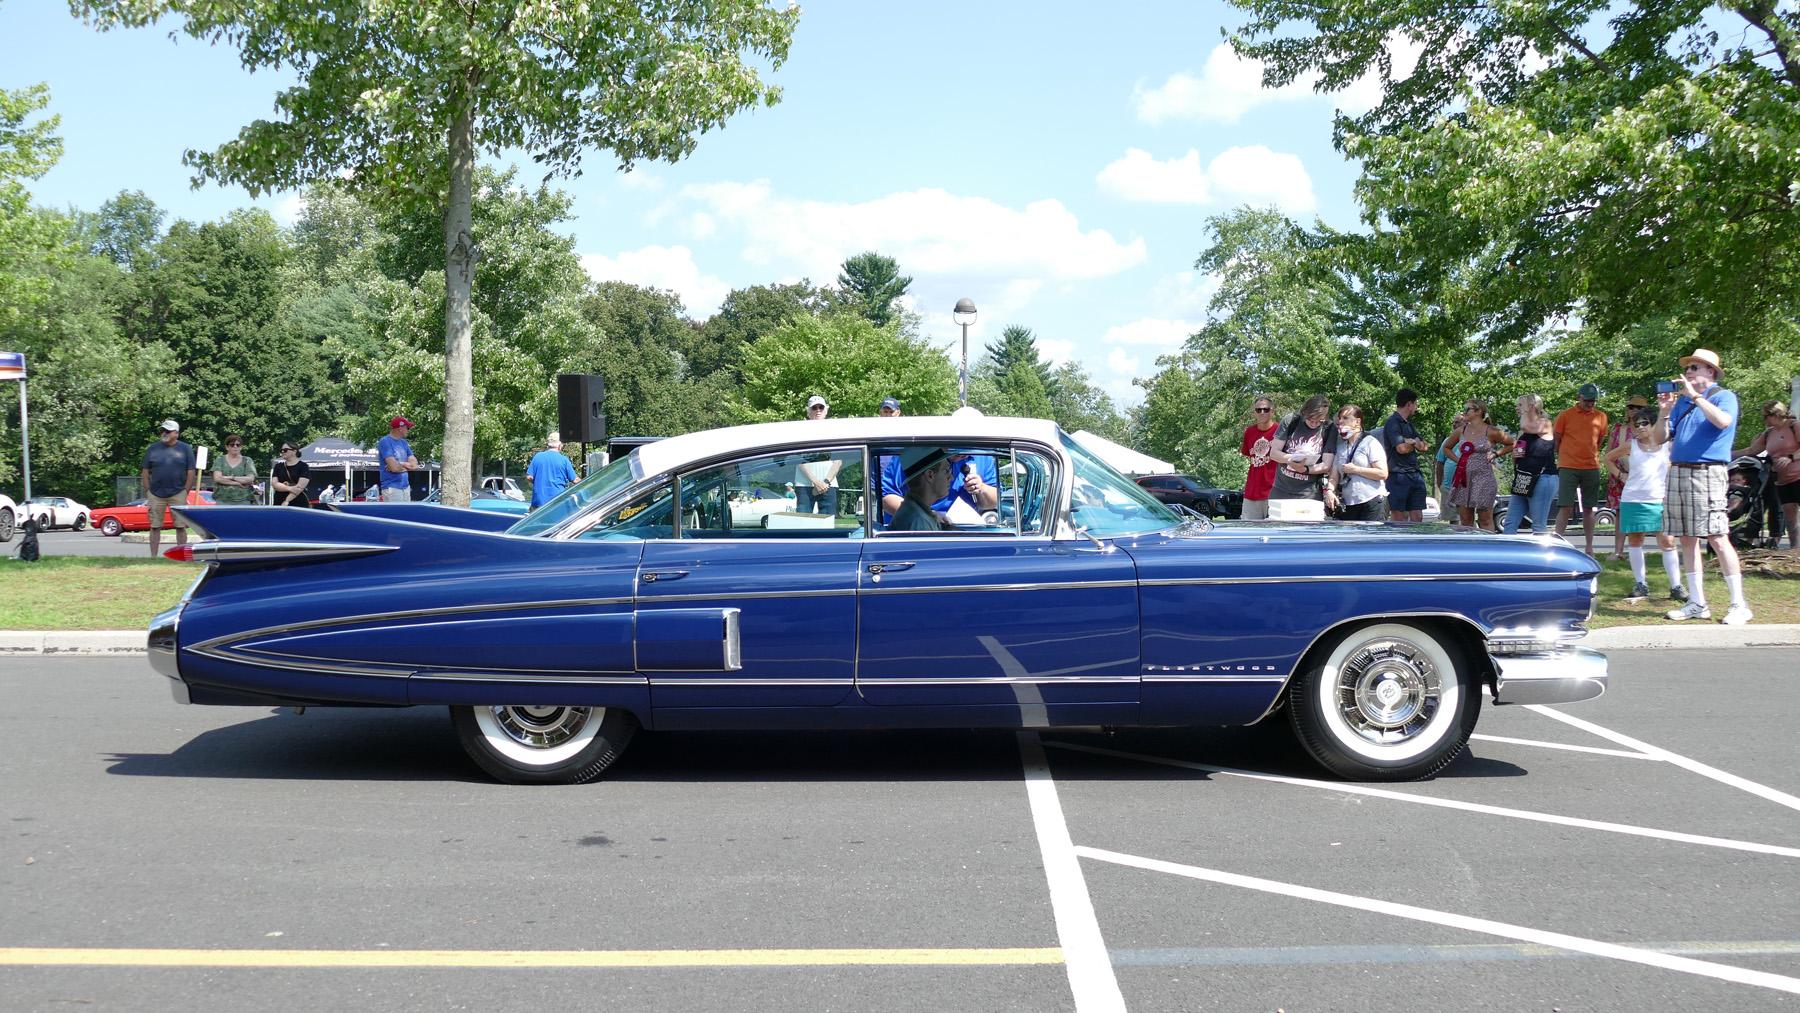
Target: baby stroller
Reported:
[(1744, 500)]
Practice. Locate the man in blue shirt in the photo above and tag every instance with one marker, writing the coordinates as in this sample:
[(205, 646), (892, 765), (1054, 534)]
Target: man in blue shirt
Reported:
[(550, 472), (397, 462), (975, 481), (1699, 422), (167, 472)]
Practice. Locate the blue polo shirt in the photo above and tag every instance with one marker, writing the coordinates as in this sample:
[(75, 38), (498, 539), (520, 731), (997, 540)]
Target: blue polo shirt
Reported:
[(893, 483), (399, 450), (1694, 439)]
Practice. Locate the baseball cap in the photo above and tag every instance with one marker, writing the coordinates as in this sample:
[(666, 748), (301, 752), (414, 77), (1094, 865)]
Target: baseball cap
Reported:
[(1588, 392), (170, 424), (816, 400), (399, 421), (891, 402)]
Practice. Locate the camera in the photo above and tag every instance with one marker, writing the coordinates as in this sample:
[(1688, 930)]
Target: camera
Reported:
[(1667, 387)]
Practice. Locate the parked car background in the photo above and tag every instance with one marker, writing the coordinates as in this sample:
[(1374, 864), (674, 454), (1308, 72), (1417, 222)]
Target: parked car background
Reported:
[(1195, 493), (60, 512), (134, 516), (504, 486), (484, 498)]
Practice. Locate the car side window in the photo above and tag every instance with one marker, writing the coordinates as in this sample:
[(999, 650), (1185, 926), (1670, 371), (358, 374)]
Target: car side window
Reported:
[(797, 494), (648, 515), (982, 490)]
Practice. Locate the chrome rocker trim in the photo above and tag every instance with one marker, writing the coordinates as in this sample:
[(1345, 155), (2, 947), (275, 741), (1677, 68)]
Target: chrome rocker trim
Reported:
[(243, 551), (1564, 675)]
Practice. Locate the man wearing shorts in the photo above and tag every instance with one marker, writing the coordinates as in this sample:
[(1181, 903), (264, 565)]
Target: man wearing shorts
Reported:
[(1580, 433), (1405, 486), (167, 473), (1699, 421)]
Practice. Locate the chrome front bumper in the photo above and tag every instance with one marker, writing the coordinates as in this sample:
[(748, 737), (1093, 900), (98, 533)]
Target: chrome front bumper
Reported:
[(1565, 674)]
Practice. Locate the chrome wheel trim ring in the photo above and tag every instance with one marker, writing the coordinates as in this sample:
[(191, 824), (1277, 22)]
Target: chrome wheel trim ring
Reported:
[(538, 736), (1389, 693)]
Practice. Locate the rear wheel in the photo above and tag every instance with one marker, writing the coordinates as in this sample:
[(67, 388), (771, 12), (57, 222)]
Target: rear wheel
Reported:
[(111, 527), (543, 744), (1387, 702), (6, 524), (80, 523)]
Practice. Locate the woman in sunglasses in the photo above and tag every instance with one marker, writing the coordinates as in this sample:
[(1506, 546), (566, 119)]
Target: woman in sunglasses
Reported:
[(1781, 441), (1643, 467), (1262, 467), (291, 477), (234, 474)]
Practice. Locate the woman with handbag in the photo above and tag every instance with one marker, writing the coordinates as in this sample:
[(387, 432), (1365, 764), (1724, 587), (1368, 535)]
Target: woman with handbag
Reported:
[(1781, 441), (1535, 479)]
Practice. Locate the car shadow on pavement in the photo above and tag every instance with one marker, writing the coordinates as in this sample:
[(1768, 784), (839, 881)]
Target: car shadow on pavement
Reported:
[(418, 744)]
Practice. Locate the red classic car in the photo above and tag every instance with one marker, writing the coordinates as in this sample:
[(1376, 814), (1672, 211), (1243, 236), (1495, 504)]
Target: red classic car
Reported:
[(134, 516)]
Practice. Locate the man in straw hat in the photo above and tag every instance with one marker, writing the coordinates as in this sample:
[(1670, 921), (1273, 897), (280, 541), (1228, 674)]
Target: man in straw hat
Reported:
[(1699, 421)]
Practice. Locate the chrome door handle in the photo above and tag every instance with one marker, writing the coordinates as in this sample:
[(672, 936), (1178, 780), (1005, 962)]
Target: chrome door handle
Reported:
[(656, 575), (880, 568)]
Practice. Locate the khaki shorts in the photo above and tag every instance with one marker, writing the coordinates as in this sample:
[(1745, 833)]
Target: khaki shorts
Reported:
[(1256, 510), (158, 505)]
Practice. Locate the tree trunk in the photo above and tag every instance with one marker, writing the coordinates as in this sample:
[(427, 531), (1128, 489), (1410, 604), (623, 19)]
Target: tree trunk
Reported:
[(459, 273)]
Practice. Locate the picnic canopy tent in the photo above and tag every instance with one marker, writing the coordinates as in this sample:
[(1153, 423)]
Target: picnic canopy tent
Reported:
[(329, 454), (1124, 459)]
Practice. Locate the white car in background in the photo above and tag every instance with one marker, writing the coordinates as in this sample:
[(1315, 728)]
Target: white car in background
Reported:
[(12, 517), (58, 512)]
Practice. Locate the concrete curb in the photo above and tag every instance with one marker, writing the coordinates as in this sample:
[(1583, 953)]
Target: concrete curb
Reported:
[(1667, 636)]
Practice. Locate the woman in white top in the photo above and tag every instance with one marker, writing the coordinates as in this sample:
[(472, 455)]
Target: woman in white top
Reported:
[(1645, 471)]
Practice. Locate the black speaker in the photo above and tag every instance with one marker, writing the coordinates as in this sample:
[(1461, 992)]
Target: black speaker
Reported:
[(581, 407)]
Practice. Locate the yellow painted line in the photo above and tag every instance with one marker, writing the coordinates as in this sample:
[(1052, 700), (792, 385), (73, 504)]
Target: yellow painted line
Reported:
[(61, 956)]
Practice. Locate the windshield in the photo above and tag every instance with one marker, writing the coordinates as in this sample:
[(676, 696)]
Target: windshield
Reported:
[(1107, 503), (592, 489)]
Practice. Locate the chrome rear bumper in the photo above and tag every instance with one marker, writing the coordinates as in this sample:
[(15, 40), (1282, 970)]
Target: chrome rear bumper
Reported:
[(161, 648), (1563, 675)]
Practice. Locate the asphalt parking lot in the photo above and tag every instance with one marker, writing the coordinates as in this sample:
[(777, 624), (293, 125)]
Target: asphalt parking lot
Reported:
[(89, 542), (1644, 859)]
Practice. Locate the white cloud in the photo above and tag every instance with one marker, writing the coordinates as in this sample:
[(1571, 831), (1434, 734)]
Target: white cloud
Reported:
[(288, 209), (1183, 293), (930, 232), (1121, 363), (1167, 335), (1256, 175), (1055, 351), (1253, 175), (1139, 177), (670, 267), (1230, 86)]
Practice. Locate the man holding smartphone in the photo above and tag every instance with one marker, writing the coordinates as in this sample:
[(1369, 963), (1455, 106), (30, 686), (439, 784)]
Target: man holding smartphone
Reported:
[(1405, 485), (1698, 419)]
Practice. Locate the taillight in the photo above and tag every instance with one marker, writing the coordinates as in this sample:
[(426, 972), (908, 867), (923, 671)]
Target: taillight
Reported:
[(181, 553)]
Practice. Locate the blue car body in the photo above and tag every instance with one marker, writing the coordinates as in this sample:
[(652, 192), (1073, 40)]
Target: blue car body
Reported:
[(632, 595)]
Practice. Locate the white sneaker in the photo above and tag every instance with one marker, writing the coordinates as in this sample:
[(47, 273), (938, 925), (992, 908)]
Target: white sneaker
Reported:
[(1692, 610), (1737, 615)]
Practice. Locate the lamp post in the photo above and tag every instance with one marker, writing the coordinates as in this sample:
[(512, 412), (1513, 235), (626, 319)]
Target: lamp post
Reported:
[(964, 316)]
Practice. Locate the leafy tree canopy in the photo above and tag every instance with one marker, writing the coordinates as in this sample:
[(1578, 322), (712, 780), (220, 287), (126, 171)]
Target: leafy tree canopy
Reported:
[(848, 360), (870, 283), (28, 241), (1017, 345)]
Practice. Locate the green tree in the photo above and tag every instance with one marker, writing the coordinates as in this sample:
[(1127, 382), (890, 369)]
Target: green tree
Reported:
[(650, 390), (870, 283), (124, 230), (1018, 345), (750, 314), (29, 242), (1077, 404), (406, 96), (848, 360), (1643, 165), (1025, 392)]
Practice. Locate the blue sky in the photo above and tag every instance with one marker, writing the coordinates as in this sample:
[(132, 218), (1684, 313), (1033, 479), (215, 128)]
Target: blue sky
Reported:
[(1054, 162)]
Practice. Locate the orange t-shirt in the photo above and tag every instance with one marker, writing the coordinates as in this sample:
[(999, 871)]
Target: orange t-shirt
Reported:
[(1581, 434)]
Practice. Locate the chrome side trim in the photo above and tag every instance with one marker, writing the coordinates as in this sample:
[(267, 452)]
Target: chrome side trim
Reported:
[(559, 680), (734, 641), (657, 599), (292, 664), (1569, 675), (1367, 578), (677, 683), (234, 551), (1071, 585), (1005, 680), (1276, 679)]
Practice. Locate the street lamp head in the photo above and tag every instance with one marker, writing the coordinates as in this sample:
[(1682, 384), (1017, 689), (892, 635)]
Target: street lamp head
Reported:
[(965, 312)]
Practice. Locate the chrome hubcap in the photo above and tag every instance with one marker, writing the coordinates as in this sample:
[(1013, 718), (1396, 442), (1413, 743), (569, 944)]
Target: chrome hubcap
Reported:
[(542, 727), (1389, 691)]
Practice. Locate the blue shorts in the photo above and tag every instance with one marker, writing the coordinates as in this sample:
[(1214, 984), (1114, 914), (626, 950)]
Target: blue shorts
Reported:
[(1406, 491)]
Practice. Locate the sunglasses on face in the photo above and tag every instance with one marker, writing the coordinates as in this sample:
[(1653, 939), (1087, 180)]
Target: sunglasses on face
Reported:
[(234, 444), (1262, 411), (1690, 367)]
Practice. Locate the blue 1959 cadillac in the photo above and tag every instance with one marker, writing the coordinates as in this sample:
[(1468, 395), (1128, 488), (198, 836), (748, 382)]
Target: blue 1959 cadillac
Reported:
[(1067, 596)]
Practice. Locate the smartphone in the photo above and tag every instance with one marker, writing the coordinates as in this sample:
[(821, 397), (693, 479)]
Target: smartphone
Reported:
[(1667, 387)]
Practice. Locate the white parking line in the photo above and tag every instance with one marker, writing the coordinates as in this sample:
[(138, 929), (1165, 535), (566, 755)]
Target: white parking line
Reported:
[(1664, 961), (1091, 976), (1630, 754), (1445, 803), (1778, 797)]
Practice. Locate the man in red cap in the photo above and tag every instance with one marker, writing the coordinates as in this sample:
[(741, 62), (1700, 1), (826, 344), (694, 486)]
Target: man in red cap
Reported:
[(397, 462)]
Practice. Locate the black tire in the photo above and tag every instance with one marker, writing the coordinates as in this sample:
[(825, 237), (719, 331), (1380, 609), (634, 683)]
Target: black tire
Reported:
[(543, 744), (1385, 702), (110, 527), (6, 524), (80, 522)]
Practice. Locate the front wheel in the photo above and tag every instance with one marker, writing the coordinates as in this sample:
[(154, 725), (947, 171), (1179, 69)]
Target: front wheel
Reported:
[(543, 744), (1388, 702), (6, 524), (110, 527)]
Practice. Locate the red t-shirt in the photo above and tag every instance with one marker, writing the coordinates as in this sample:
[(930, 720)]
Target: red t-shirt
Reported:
[(1262, 467)]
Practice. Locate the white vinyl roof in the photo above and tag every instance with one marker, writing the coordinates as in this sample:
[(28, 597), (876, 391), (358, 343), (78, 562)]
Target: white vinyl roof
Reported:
[(680, 451)]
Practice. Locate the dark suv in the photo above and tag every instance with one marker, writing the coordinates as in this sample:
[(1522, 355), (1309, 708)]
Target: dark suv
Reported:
[(1195, 493)]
